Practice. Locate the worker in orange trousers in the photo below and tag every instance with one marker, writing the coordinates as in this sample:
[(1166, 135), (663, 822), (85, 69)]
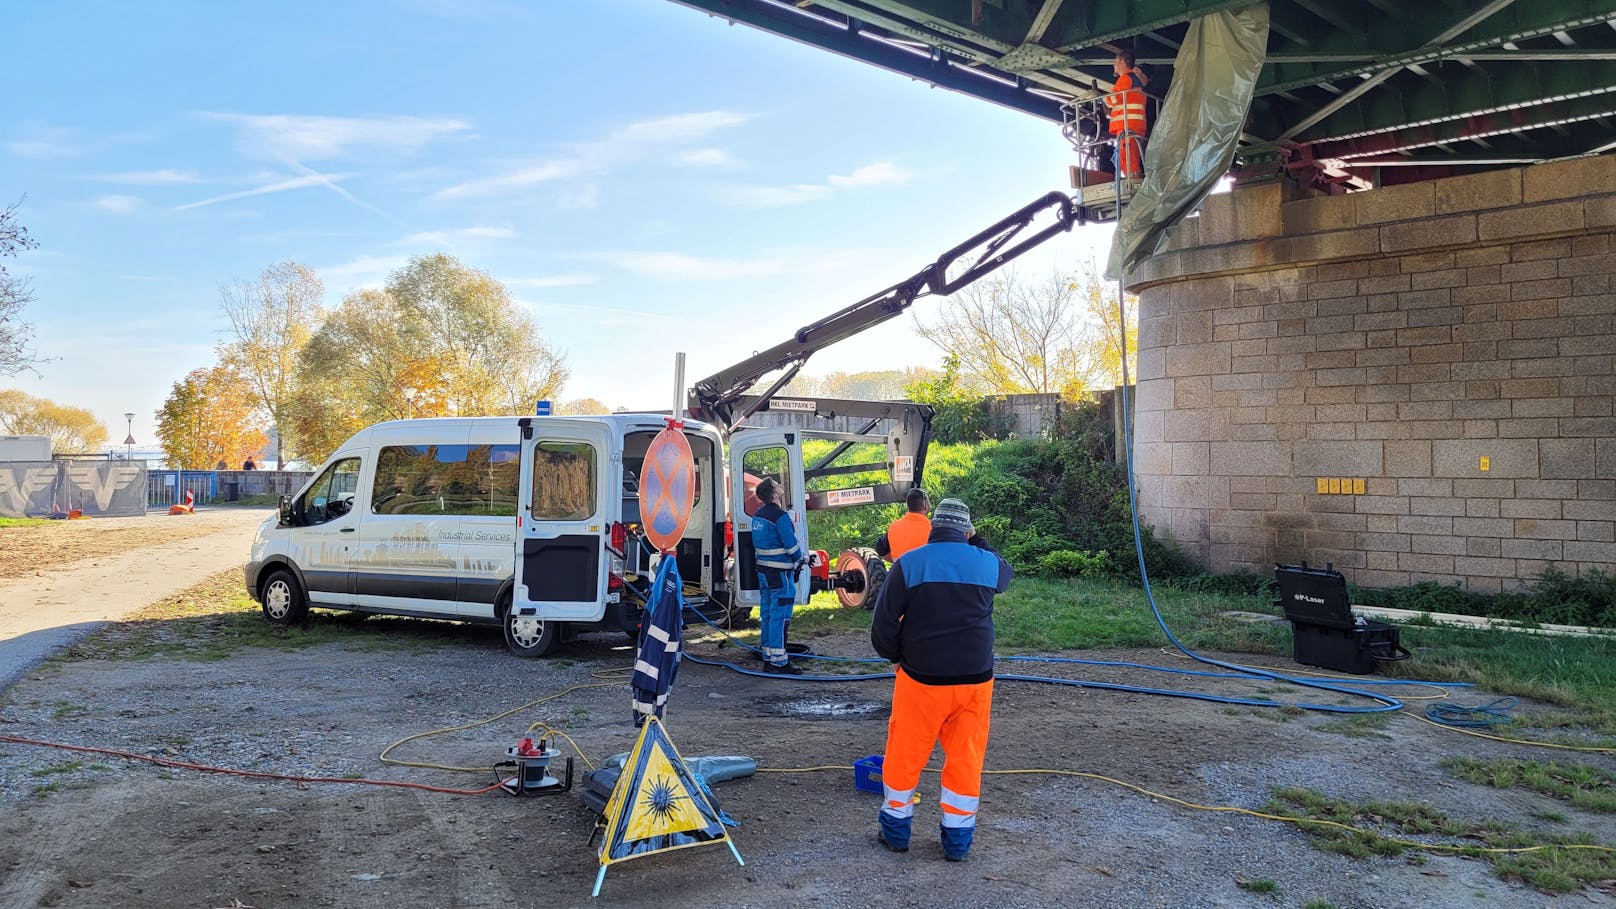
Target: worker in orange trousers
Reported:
[(934, 618)]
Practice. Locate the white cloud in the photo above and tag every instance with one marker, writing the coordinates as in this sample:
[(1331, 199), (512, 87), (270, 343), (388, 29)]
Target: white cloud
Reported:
[(880, 173), (579, 197), (362, 272), (775, 196), (453, 237), (570, 279), (681, 267), (631, 142), (42, 148), (150, 177), (278, 186), (312, 138), (706, 157), (118, 205)]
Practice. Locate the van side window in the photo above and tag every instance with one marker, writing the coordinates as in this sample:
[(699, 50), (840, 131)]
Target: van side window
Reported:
[(446, 480), (563, 481), (332, 495)]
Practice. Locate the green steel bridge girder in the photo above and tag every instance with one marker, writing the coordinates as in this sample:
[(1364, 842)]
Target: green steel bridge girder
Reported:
[(1398, 41), (1457, 92)]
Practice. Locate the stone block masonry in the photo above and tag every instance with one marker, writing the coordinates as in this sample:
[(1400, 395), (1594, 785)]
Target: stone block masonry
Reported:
[(1451, 342)]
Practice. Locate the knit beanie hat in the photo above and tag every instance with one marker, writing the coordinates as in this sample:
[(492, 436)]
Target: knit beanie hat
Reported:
[(951, 514)]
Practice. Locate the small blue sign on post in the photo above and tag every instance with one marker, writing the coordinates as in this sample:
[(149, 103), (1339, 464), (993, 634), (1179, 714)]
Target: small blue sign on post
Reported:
[(541, 408)]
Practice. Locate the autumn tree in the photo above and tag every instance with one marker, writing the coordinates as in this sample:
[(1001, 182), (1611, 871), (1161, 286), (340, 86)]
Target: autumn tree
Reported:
[(1014, 336), (271, 320), (70, 429), (15, 293), (210, 416), (441, 339), (582, 407)]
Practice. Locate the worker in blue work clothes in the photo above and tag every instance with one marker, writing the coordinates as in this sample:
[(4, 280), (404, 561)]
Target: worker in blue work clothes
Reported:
[(779, 556)]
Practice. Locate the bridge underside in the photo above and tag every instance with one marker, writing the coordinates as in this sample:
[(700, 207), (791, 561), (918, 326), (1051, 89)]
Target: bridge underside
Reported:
[(1354, 91)]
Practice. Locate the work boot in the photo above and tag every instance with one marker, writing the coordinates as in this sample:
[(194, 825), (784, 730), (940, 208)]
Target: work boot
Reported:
[(782, 669), (894, 833), (957, 842)]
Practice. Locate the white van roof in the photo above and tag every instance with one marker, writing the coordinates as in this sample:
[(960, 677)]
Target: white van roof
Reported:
[(620, 422)]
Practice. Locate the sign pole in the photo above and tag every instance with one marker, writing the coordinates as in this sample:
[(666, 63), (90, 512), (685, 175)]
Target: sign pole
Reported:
[(679, 386)]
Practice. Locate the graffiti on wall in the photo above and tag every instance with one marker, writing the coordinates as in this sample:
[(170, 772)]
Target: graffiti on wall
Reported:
[(35, 489)]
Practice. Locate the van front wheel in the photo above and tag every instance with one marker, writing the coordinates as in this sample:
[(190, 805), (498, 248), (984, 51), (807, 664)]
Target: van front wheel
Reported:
[(284, 602), (527, 636)]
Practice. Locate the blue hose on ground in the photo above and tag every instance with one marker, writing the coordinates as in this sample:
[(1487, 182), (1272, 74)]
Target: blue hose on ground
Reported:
[(1085, 683), (1479, 716)]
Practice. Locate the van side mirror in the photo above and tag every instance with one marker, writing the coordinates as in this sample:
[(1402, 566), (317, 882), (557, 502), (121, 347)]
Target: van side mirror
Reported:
[(286, 511)]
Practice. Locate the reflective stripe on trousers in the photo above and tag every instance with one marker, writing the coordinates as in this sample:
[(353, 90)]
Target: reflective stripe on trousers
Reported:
[(923, 715)]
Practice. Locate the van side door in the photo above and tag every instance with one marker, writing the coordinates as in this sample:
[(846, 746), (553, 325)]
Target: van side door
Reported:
[(323, 540), (753, 455), (570, 469)]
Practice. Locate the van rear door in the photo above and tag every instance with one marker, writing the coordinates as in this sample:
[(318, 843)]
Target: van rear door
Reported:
[(568, 476), (753, 455)]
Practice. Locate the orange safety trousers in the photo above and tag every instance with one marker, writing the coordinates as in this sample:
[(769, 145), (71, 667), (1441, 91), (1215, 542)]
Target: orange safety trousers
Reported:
[(922, 715)]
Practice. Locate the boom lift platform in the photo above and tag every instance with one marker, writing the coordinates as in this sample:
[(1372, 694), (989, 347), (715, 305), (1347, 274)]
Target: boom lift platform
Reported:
[(1101, 193)]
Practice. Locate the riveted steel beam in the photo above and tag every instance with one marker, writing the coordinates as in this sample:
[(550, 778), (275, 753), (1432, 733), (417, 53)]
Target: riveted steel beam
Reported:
[(837, 34), (1523, 21), (1489, 89), (1478, 125)]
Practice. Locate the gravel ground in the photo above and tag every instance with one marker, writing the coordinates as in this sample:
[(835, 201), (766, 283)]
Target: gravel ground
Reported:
[(30, 550), (106, 832)]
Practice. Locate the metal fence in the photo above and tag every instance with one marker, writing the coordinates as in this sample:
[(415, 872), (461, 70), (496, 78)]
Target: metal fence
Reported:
[(168, 487)]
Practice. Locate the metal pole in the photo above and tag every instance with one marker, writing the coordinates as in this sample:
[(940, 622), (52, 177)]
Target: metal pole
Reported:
[(679, 385)]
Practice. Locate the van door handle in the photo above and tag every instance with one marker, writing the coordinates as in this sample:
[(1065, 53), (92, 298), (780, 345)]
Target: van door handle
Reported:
[(346, 530)]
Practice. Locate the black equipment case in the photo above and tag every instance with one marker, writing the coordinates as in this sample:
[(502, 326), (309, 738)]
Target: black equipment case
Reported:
[(1325, 633)]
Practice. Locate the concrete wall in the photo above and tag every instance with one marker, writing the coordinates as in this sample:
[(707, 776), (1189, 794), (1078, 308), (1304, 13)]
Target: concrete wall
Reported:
[(1450, 344)]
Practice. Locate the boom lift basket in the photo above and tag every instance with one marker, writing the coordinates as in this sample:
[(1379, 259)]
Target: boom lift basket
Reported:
[(1325, 633)]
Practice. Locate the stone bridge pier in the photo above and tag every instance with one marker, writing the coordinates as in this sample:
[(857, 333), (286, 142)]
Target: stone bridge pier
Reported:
[(1415, 382)]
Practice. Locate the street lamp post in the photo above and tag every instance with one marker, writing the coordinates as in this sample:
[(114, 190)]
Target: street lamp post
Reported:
[(409, 401), (129, 437)]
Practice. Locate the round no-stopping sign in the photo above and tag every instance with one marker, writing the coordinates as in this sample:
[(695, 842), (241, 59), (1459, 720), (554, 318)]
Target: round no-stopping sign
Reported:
[(667, 489)]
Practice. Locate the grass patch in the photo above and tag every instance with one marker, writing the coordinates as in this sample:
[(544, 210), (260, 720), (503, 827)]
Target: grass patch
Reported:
[(1040, 614), (23, 522), (1260, 885), (1587, 787), (216, 619), (1381, 825), (54, 769), (1318, 904), (1360, 726), (251, 501)]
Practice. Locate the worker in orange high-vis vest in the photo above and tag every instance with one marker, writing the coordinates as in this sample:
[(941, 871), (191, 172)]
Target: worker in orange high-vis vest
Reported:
[(908, 532), (1126, 104), (934, 618)]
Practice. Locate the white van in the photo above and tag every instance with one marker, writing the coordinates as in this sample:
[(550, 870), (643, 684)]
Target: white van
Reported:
[(505, 519)]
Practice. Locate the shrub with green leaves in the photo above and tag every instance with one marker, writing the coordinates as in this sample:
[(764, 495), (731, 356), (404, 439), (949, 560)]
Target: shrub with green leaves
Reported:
[(1071, 563)]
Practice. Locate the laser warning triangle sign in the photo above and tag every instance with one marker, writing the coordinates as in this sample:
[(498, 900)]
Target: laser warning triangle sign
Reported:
[(657, 805)]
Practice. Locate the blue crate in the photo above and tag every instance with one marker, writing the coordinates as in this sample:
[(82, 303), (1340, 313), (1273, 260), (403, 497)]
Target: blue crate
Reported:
[(867, 774)]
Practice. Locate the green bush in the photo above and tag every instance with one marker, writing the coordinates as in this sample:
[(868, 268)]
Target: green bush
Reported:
[(1070, 563), (1555, 597)]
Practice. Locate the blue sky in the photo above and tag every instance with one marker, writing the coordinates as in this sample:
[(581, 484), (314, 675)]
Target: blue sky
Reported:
[(643, 177)]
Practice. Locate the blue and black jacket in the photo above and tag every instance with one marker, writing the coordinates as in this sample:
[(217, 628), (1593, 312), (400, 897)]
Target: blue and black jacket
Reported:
[(774, 543), (935, 613)]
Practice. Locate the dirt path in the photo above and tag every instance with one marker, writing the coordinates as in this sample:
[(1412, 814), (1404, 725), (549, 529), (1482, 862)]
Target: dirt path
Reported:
[(82, 574), (28, 551), (106, 832)]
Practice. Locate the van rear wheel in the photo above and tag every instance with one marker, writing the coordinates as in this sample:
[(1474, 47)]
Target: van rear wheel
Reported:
[(283, 599), (528, 636)]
